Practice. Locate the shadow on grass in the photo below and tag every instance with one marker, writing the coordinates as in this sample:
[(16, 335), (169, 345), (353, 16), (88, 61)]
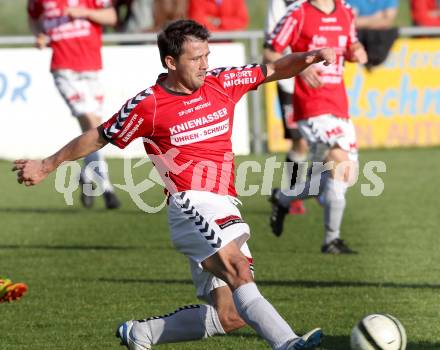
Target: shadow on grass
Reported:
[(295, 284), (69, 210), (347, 284), (145, 281), (339, 342), (63, 211), (67, 247), (343, 343)]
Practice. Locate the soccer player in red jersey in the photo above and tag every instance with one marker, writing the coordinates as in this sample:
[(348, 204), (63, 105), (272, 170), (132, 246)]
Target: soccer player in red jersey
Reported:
[(74, 28), (321, 109), (186, 122)]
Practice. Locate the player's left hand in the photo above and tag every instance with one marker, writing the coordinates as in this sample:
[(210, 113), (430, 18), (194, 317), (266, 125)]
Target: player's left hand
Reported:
[(357, 53), (76, 12), (311, 77), (41, 41), (30, 172), (326, 55)]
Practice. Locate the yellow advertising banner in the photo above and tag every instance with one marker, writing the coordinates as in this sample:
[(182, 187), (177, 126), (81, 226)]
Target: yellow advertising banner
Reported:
[(396, 104)]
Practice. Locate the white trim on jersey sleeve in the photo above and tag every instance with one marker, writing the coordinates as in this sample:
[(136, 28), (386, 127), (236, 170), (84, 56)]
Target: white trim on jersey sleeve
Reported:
[(112, 132), (154, 115)]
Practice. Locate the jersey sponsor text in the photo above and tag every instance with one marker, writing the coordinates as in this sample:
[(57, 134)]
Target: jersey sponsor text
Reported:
[(198, 135), (191, 124)]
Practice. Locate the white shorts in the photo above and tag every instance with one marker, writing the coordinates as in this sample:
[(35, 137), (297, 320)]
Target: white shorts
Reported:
[(82, 91), (201, 223), (327, 131)]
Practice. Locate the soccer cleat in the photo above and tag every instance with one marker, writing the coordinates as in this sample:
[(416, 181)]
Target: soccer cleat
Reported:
[(11, 291), (337, 246), (86, 200), (125, 334), (278, 213), (310, 340), (111, 201), (297, 207)]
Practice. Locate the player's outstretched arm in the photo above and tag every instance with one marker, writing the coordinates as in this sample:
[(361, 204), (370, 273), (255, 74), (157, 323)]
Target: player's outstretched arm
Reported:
[(294, 63), (105, 17), (32, 172), (380, 20)]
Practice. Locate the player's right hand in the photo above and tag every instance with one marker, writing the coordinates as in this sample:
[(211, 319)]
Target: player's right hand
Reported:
[(311, 77), (41, 41), (29, 172)]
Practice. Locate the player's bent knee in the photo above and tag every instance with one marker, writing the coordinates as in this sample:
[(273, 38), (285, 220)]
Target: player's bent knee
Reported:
[(242, 272), (230, 320)]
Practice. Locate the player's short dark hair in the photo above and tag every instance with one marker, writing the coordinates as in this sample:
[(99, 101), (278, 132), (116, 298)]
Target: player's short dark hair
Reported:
[(170, 40)]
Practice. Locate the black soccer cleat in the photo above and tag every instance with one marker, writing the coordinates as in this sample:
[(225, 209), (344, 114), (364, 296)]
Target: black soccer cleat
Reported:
[(337, 246), (86, 200), (110, 200), (278, 213)]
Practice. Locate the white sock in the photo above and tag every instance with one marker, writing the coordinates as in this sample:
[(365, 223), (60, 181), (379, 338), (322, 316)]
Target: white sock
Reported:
[(191, 322), (334, 206), (96, 170), (262, 316)]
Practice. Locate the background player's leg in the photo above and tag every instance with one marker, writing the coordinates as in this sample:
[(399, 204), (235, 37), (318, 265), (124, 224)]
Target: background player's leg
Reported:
[(295, 171), (298, 152), (95, 163), (334, 201), (82, 93)]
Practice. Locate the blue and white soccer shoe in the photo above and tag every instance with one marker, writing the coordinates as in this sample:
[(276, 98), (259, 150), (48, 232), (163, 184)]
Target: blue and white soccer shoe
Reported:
[(125, 334), (310, 340)]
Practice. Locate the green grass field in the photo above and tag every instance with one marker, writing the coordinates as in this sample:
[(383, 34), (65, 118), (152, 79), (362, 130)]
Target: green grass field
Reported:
[(87, 270)]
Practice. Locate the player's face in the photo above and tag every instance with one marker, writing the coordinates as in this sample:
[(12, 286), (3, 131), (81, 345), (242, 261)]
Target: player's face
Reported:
[(192, 64)]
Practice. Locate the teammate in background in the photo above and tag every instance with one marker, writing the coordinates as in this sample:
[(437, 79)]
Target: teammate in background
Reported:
[(298, 153), (134, 16), (10, 291), (140, 16), (74, 34), (186, 120), (374, 14), (426, 12), (321, 108), (219, 15), (375, 26), (167, 11)]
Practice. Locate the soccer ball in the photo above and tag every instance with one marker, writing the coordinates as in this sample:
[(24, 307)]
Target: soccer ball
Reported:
[(378, 332)]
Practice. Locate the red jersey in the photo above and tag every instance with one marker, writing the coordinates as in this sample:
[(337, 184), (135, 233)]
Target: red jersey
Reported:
[(233, 14), (305, 28), (420, 12), (188, 137), (76, 43)]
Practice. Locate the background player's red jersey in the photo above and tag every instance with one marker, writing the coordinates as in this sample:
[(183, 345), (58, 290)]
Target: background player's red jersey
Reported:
[(76, 43), (305, 28), (188, 137)]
